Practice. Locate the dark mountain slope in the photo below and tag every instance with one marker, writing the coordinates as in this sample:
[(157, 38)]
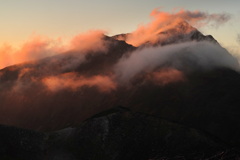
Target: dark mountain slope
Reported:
[(115, 134)]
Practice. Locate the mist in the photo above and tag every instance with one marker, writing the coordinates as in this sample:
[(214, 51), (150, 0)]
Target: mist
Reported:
[(74, 81), (39, 47), (203, 55), (166, 76)]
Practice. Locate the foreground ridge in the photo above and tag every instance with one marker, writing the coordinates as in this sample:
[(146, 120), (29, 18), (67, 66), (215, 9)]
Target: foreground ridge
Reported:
[(115, 134)]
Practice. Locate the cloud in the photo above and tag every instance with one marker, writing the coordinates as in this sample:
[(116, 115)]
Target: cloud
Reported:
[(73, 81), (35, 48), (164, 21), (39, 47), (216, 20), (166, 76), (5, 56), (90, 41), (186, 56)]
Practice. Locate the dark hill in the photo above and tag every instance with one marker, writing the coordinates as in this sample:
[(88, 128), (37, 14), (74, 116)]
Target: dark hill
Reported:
[(115, 134)]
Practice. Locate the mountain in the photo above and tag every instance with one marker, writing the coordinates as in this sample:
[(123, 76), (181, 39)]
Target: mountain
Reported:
[(183, 80)]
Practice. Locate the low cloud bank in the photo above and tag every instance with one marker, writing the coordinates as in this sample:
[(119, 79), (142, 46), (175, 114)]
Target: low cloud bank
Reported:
[(74, 81), (183, 56), (39, 47)]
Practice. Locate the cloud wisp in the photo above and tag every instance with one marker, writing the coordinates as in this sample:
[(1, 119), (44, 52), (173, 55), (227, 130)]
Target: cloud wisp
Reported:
[(166, 76), (40, 47), (165, 21), (73, 81), (184, 56)]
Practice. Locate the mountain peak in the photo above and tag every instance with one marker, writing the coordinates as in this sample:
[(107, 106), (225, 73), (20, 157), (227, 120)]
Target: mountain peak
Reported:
[(180, 32)]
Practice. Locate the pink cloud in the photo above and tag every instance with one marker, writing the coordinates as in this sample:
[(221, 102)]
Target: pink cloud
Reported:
[(73, 81), (89, 41), (35, 48), (167, 76), (6, 58), (164, 21), (39, 47)]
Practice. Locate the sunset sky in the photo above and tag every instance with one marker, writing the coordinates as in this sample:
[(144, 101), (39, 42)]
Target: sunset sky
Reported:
[(63, 19)]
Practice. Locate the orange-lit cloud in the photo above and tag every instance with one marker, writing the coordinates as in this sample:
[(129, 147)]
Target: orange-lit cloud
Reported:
[(167, 76), (90, 41), (164, 21), (39, 47), (73, 81), (6, 56), (34, 49)]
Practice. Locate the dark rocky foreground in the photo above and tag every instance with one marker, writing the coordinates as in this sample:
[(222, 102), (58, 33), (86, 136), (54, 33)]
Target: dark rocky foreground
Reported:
[(115, 134)]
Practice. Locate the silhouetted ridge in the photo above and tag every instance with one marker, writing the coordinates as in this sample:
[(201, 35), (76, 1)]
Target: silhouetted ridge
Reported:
[(114, 134)]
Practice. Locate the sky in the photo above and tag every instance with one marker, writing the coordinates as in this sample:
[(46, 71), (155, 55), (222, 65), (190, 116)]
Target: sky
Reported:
[(23, 19)]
